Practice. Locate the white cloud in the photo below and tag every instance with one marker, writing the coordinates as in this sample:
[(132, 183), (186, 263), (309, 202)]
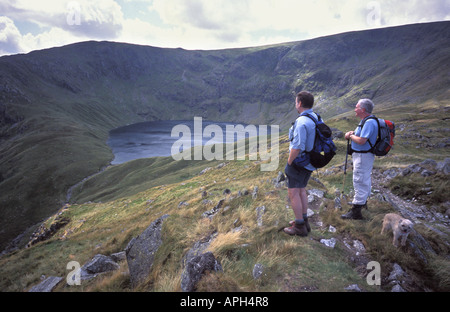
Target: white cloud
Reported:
[(59, 22), (9, 36), (54, 37), (98, 19), (235, 23), (414, 11)]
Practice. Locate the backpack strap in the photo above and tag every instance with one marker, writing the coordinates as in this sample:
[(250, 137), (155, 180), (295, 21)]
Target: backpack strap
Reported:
[(361, 125), (311, 117), (315, 123)]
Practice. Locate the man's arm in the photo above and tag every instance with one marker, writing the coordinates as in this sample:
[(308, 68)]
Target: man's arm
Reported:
[(358, 140), (292, 155)]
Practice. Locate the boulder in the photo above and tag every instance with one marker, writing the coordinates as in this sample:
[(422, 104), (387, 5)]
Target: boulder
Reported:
[(199, 248), (98, 264), (141, 250), (397, 273), (46, 285), (196, 268), (444, 166)]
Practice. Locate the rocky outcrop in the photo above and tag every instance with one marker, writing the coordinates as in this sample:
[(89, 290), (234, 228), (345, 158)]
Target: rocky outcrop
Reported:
[(44, 231), (140, 251), (211, 213)]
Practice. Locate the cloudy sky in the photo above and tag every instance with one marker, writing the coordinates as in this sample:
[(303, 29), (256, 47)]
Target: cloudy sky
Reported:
[(27, 25)]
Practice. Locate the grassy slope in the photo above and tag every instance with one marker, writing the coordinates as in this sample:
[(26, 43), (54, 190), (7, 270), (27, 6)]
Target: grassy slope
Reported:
[(293, 264)]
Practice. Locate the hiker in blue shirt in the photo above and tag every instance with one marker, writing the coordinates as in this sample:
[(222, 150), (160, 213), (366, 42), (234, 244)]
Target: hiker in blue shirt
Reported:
[(302, 134), (362, 158)]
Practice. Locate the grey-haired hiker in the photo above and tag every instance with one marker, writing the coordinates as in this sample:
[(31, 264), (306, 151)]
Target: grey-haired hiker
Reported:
[(362, 157)]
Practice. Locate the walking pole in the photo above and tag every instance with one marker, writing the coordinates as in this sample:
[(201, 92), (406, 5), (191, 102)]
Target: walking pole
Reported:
[(345, 166)]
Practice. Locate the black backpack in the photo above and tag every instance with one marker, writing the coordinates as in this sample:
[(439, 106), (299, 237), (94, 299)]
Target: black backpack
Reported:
[(324, 148)]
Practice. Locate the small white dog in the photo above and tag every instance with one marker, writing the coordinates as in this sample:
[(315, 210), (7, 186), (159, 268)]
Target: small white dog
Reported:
[(400, 227)]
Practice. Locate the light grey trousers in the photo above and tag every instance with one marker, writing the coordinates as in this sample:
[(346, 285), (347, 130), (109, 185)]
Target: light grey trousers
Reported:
[(362, 176)]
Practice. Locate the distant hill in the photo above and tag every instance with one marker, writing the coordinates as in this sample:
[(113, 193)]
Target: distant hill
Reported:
[(57, 105)]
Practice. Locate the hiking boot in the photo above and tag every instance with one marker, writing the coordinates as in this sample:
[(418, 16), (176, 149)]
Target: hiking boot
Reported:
[(308, 227), (297, 229), (354, 213)]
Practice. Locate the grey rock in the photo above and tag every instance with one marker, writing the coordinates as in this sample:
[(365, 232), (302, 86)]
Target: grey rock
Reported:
[(329, 242), (141, 251), (415, 168), (444, 166), (259, 214), (211, 213), (258, 270), (397, 288), (119, 256), (359, 246), (280, 177), (317, 193), (406, 171), (205, 170), (396, 273), (198, 248), (429, 162), (337, 134), (255, 192), (391, 173), (100, 264), (337, 203), (353, 287), (427, 173), (46, 285), (196, 268)]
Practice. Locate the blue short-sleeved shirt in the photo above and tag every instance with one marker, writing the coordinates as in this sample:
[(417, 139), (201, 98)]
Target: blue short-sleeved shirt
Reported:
[(304, 132), (369, 131)]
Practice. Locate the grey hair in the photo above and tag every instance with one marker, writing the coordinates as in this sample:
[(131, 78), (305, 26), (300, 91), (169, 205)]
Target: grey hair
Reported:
[(367, 105)]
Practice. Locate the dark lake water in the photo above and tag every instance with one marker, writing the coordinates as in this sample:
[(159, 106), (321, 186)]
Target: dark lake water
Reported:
[(153, 138)]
